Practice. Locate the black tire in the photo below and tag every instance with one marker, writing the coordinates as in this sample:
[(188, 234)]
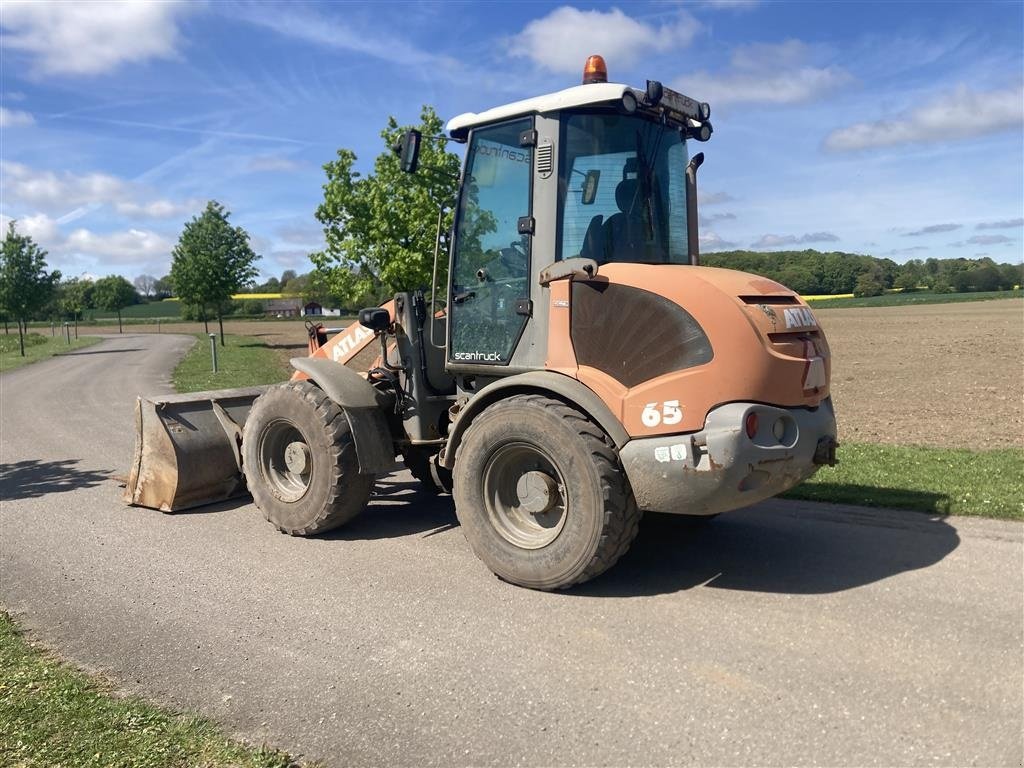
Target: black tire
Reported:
[(298, 417), (424, 467), (533, 450)]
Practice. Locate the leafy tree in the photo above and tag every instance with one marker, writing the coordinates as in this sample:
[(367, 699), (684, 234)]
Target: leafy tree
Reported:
[(113, 293), (75, 297), (380, 228), (273, 285), (211, 261), (163, 288), (871, 283), (25, 285), (288, 275)]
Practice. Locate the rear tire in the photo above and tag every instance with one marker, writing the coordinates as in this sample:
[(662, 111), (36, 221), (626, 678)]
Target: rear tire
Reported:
[(300, 461), (541, 495)]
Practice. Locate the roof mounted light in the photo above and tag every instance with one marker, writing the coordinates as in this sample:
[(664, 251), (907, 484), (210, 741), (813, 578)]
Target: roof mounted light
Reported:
[(595, 70)]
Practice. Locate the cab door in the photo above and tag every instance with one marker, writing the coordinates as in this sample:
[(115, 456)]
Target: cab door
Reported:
[(489, 291)]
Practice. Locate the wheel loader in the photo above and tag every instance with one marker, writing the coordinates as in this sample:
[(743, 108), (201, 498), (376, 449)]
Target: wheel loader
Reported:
[(583, 369)]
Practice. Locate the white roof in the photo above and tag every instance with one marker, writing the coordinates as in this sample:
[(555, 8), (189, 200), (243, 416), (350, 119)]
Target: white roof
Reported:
[(577, 96)]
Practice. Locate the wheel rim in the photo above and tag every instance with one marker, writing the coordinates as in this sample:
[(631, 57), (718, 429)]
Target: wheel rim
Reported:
[(285, 460), (524, 493)]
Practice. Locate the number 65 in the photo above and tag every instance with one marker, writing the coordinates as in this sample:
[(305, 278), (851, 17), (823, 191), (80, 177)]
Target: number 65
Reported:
[(670, 413)]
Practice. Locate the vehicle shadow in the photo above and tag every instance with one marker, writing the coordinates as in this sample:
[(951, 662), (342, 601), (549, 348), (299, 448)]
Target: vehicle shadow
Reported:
[(778, 546), (399, 508), (33, 478), (76, 353)]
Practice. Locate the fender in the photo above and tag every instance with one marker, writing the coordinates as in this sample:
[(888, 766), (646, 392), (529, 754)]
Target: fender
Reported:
[(541, 382), (358, 401)]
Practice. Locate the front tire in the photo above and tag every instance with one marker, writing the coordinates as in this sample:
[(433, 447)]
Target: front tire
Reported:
[(300, 461), (541, 495)]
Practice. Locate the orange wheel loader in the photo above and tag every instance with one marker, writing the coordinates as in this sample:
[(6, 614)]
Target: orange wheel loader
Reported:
[(583, 369)]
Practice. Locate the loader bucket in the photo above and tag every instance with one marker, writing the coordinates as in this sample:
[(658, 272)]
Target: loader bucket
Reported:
[(187, 448)]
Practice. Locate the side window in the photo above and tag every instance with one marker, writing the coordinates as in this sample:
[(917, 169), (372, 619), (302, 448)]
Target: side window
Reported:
[(492, 260)]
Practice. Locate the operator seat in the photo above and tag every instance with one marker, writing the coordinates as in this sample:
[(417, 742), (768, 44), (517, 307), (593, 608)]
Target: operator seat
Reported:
[(623, 232)]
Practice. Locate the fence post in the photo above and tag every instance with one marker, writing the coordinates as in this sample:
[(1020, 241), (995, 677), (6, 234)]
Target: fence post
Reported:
[(213, 350), (67, 332)]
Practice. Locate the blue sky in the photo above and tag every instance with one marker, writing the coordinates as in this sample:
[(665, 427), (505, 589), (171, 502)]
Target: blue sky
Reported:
[(893, 128)]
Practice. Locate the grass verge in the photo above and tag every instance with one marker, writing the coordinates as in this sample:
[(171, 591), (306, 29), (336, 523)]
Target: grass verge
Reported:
[(52, 714), (243, 362), (912, 298), (37, 347), (936, 480)]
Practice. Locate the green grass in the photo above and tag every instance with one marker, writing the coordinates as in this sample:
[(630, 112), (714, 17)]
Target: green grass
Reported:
[(152, 309), (51, 714), (37, 347), (936, 480), (244, 362), (914, 297)]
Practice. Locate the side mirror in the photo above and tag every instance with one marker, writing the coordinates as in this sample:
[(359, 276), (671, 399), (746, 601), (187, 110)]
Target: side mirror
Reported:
[(590, 186), (375, 318), (408, 150)]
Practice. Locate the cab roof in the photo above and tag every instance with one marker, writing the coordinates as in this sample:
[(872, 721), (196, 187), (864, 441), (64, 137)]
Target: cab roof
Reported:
[(577, 96)]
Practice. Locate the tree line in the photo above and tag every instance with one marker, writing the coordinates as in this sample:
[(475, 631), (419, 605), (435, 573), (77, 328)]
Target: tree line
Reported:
[(811, 272)]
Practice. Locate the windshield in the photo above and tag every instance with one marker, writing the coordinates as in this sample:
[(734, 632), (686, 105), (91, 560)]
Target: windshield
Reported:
[(622, 190)]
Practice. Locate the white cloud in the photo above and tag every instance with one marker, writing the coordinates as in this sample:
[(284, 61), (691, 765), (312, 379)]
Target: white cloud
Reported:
[(39, 227), (711, 241), (123, 247), (31, 187), (562, 40), (10, 118), (986, 240), (157, 209), (90, 38), (767, 74), (960, 114), (48, 189), (714, 198), (774, 241)]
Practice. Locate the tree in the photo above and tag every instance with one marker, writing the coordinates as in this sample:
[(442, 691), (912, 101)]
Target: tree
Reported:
[(163, 288), (145, 284), (211, 261), (287, 276), (380, 228), (870, 283), (272, 285), (75, 296), (25, 285), (113, 293)]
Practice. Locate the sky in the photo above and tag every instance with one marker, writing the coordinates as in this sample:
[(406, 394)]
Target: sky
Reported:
[(894, 129)]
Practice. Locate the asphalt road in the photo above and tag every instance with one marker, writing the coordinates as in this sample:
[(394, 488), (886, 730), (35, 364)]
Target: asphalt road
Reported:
[(784, 634)]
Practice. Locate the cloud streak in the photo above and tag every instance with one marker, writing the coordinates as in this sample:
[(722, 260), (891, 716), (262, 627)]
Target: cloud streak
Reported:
[(963, 113), (933, 229), (11, 118), (774, 241), (767, 74)]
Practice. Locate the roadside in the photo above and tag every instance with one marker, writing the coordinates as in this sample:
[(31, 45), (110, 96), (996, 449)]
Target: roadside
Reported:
[(53, 714), (37, 347)]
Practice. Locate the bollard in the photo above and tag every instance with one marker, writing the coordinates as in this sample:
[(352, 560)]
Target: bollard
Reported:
[(158, 325), (213, 350)]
